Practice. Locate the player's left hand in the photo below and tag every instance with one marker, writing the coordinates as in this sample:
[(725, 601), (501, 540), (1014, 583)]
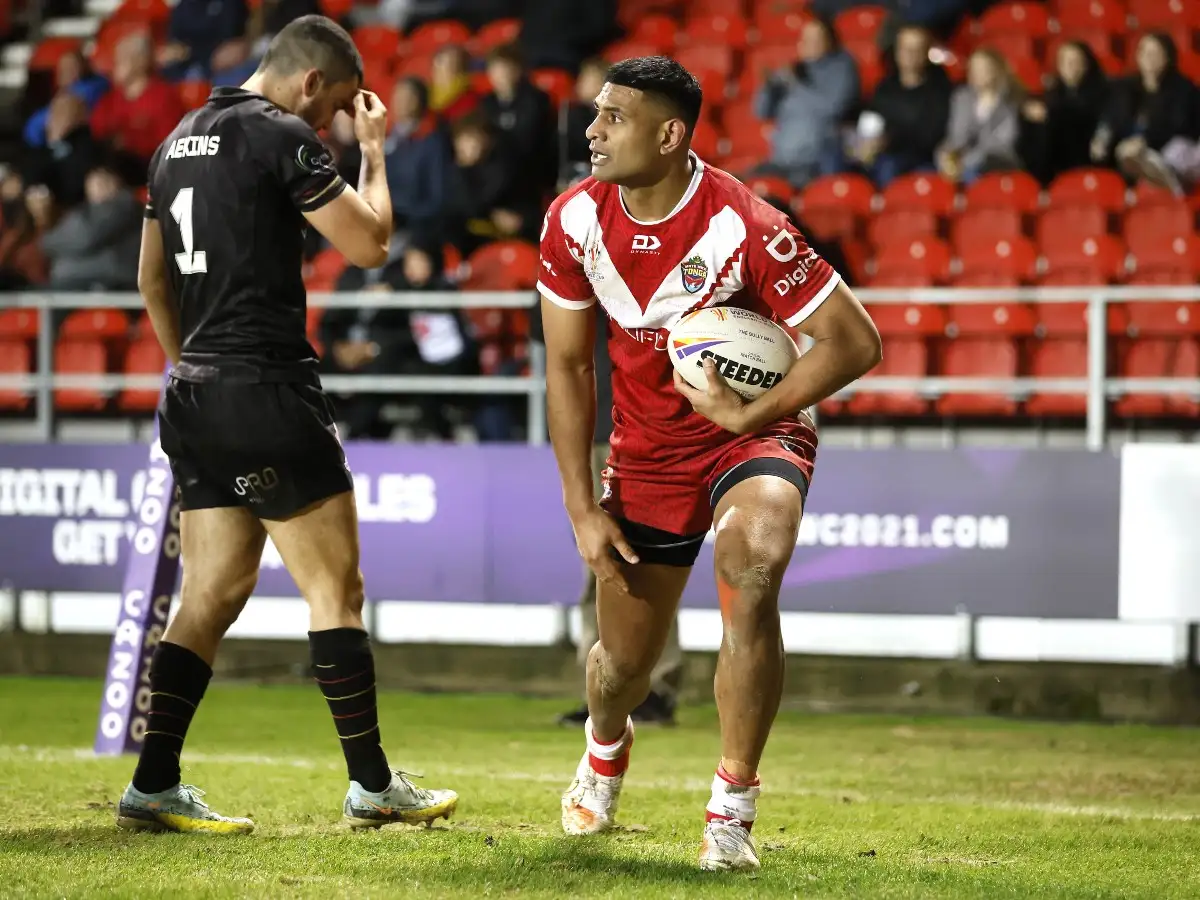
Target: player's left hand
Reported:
[(718, 402)]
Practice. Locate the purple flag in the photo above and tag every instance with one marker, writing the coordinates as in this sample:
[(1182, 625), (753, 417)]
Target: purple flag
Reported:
[(151, 574)]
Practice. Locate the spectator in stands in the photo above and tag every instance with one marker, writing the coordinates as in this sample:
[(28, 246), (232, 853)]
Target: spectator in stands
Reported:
[(204, 36), (450, 93), (139, 112), (807, 102), (520, 116), (906, 120), (561, 35), (94, 246), (71, 74), (1152, 122), (1057, 129), (485, 201), (21, 261), (576, 149), (984, 121), (419, 159), (70, 152)]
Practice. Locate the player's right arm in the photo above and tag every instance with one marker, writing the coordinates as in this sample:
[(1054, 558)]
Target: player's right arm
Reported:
[(569, 324), (357, 223), (152, 279)]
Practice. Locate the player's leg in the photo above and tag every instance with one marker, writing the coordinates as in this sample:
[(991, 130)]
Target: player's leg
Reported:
[(221, 549), (757, 520), (311, 517), (633, 627)]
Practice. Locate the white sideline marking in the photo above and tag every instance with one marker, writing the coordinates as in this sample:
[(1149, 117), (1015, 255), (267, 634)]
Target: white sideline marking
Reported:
[(83, 755)]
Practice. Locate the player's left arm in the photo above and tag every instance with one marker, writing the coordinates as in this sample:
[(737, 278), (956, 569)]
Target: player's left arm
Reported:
[(152, 282), (810, 296)]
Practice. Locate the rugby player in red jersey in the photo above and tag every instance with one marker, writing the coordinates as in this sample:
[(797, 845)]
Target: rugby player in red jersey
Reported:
[(654, 234)]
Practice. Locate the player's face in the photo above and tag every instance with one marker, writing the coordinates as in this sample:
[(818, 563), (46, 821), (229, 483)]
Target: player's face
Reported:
[(320, 102), (628, 137)]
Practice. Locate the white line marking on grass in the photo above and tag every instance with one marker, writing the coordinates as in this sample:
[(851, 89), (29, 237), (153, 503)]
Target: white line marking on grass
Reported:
[(84, 755)]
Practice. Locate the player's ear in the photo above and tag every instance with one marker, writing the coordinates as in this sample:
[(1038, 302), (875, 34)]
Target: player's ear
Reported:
[(312, 82), (673, 137)]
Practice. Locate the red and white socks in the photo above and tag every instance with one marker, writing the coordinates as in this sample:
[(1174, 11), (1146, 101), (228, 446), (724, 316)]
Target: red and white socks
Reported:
[(733, 800), (609, 760)]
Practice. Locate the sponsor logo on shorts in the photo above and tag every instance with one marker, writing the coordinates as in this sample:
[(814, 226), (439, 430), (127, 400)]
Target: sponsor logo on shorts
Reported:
[(253, 485), (695, 273), (741, 373)]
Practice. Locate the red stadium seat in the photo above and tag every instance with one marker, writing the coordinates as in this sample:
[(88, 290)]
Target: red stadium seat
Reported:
[(1029, 73), (893, 225), (972, 319), (658, 31), (432, 36), (557, 84), (1103, 255), (79, 358), (1154, 223), (714, 31), (1070, 320), (1091, 15), (16, 358), (902, 358), (859, 23), (1014, 45), (322, 272), (1024, 17), (619, 50), (706, 140), (984, 227), (107, 325), (376, 42), (733, 8), (1089, 187), (1009, 258), (337, 9), (312, 328), (920, 191), (770, 186), (1005, 190), (1147, 194), (18, 325), (49, 50), (761, 60), (1058, 358), (493, 34), (508, 265), (143, 358), (1177, 254), (1163, 319), (746, 145), (984, 280), (900, 280), (978, 357), (911, 320), (779, 22), (1154, 15), (852, 193), (870, 73), (486, 324), (194, 93), (1067, 224), (155, 12), (1160, 358), (923, 256), (698, 59)]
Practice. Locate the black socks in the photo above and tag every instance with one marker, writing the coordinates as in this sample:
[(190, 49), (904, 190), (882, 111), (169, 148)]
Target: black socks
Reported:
[(345, 672), (178, 679)]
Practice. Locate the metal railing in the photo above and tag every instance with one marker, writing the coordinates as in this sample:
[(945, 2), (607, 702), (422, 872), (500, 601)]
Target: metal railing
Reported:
[(1096, 386)]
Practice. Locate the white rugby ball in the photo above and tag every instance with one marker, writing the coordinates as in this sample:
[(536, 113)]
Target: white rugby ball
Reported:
[(750, 351)]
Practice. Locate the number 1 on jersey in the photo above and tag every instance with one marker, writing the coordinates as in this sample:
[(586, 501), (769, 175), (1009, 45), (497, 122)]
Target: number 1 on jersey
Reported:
[(190, 261)]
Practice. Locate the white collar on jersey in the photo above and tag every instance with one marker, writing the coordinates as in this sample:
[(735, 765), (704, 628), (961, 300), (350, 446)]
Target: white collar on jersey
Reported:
[(693, 186)]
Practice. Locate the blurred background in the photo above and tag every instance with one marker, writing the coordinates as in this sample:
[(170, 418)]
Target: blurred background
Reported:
[(1010, 186)]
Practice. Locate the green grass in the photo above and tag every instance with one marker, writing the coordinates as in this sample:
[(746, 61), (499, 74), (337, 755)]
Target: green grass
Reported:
[(853, 807)]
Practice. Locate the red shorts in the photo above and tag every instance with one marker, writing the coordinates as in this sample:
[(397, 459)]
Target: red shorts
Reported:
[(672, 495)]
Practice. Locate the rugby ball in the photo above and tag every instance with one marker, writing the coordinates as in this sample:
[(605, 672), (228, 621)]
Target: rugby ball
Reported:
[(750, 351)]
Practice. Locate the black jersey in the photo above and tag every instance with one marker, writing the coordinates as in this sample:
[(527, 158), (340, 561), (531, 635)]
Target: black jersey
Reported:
[(229, 188)]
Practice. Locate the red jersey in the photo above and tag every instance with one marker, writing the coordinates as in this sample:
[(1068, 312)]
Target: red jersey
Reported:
[(720, 245), (141, 124)]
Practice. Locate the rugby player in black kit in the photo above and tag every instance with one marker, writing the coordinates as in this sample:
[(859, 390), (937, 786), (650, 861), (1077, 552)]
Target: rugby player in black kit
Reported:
[(249, 433)]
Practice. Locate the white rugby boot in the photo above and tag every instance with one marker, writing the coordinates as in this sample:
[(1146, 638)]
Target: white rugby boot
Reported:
[(589, 805)]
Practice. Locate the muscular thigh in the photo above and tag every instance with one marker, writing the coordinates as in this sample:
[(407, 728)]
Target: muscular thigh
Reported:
[(222, 549), (319, 545), (634, 624)]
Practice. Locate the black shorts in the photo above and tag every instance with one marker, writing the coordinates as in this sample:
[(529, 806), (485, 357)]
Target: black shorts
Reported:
[(660, 548), (271, 448)]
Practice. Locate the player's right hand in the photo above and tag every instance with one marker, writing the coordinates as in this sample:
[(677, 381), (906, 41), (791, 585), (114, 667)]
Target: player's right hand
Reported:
[(596, 532), (370, 119)]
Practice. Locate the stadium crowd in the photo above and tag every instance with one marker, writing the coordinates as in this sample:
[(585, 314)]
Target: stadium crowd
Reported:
[(489, 101)]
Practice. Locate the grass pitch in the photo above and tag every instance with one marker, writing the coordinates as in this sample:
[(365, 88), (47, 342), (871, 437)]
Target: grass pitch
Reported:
[(852, 806)]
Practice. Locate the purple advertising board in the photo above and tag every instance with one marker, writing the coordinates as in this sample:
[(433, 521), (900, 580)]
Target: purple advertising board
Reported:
[(999, 532)]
